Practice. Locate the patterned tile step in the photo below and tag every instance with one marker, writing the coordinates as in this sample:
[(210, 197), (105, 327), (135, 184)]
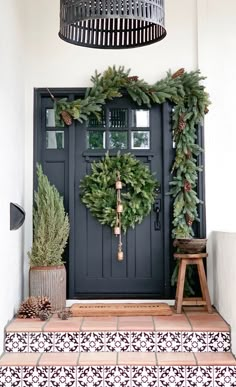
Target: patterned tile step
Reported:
[(117, 341), (130, 375)]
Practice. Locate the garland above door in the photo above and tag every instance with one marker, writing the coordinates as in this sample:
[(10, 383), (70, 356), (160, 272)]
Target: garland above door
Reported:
[(190, 100)]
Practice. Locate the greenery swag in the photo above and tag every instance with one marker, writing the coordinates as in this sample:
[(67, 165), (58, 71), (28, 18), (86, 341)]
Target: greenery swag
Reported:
[(190, 101), (98, 190)]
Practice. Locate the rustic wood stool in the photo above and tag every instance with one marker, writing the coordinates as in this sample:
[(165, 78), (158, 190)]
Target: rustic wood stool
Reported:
[(191, 259)]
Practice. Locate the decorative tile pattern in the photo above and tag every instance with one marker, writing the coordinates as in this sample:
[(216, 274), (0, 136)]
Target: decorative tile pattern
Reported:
[(117, 376), (35, 376), (218, 341), (144, 376), (224, 376), (172, 376), (10, 376), (90, 376), (168, 341), (194, 341), (66, 342), (16, 342), (118, 341), (199, 376), (92, 341), (41, 342), (143, 341), (62, 376)]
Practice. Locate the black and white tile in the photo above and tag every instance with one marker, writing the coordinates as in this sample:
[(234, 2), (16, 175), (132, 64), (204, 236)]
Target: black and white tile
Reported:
[(118, 341), (67, 342), (142, 342), (41, 342), (172, 376), (144, 376), (16, 342), (62, 376), (168, 342), (90, 376), (10, 376), (92, 341), (194, 341), (35, 376), (117, 376), (201, 376), (219, 342), (224, 376)]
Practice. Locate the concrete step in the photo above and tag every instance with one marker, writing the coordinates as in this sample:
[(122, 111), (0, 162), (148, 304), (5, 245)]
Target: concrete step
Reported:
[(105, 369)]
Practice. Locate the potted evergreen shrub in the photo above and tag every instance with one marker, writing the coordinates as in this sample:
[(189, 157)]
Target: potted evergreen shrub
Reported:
[(51, 231)]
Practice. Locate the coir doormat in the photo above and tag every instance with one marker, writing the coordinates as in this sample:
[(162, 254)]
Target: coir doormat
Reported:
[(127, 309)]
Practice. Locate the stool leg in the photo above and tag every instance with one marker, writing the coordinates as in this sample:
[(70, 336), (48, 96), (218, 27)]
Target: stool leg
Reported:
[(204, 287), (180, 286)]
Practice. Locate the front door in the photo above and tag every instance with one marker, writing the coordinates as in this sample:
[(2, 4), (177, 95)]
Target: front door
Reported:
[(93, 268)]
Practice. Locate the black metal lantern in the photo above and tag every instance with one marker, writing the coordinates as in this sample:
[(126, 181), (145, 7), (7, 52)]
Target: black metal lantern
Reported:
[(112, 24)]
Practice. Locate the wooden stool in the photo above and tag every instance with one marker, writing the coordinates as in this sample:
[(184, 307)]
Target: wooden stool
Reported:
[(191, 259)]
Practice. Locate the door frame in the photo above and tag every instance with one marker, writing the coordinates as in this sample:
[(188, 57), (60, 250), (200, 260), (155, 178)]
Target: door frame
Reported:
[(167, 155)]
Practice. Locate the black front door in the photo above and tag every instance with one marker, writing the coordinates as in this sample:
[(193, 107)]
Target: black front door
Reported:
[(93, 268)]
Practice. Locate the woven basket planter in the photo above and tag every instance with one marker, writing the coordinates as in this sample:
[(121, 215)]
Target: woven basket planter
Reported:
[(49, 281)]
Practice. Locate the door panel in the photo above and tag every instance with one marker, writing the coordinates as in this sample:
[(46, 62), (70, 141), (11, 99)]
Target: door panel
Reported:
[(97, 270)]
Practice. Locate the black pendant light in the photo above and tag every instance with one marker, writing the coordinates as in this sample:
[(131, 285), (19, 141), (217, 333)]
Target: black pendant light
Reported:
[(112, 24)]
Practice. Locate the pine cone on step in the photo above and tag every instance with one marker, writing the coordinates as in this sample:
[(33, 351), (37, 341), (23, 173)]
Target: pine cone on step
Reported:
[(178, 73), (66, 117), (64, 314), (28, 308), (44, 315), (44, 304)]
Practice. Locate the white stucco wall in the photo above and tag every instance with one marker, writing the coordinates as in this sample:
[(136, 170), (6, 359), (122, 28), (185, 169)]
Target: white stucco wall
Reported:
[(11, 157), (224, 278)]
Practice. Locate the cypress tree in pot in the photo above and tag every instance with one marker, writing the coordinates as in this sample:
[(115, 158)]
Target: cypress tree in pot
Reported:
[(51, 231)]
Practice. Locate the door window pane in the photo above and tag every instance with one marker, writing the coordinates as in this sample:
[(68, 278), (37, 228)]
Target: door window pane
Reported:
[(97, 123), (96, 139), (140, 118), (140, 140), (118, 140), (50, 118), (55, 139), (118, 118)]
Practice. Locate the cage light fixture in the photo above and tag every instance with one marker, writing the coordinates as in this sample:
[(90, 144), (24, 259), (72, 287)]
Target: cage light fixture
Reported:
[(112, 24)]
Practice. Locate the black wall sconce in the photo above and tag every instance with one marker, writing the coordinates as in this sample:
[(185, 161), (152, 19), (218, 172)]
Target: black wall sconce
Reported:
[(17, 216)]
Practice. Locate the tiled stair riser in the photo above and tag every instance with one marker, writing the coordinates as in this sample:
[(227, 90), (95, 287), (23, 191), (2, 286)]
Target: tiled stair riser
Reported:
[(116, 376), (118, 341)]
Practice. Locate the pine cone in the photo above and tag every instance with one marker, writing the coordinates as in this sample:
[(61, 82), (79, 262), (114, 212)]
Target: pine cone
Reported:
[(178, 73), (189, 221), (66, 117), (44, 315), (28, 308), (134, 78), (187, 186), (206, 110), (64, 314), (44, 304), (181, 123), (189, 154)]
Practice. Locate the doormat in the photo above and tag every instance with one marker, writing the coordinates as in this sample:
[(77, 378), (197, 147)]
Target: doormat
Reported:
[(107, 310)]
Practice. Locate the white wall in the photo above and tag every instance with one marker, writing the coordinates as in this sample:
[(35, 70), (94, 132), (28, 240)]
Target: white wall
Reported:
[(224, 278), (11, 157)]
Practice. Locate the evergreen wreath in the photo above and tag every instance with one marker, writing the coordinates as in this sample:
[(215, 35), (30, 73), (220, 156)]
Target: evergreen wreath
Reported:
[(190, 101), (98, 190)]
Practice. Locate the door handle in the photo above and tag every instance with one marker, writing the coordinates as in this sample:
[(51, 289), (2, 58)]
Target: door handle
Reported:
[(157, 210)]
